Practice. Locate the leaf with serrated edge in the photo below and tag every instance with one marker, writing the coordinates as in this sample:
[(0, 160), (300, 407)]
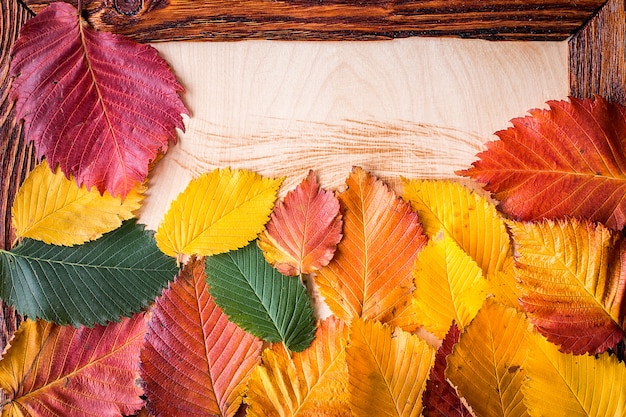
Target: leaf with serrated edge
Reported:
[(73, 372), (387, 370), (195, 362), (100, 281), (370, 274), (503, 286), (471, 220), (566, 385), (572, 282), (440, 398), (97, 104), (565, 161), (304, 229), (260, 299), (449, 286), (310, 383), (55, 210), (220, 211), (488, 364)]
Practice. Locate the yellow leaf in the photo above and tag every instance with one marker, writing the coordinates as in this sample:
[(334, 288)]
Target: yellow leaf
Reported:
[(503, 285), (309, 383), (488, 364), (565, 385), (387, 370), (53, 209), (449, 286), (220, 211), (471, 220)]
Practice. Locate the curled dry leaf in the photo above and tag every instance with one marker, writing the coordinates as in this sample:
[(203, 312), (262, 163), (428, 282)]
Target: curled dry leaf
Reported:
[(96, 104)]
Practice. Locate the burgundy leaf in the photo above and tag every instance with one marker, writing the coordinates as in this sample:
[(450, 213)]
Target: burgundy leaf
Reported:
[(97, 104)]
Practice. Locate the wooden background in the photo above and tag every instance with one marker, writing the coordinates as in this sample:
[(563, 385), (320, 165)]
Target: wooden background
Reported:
[(350, 79)]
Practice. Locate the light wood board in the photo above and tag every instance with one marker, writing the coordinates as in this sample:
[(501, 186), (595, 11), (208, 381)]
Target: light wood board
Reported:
[(418, 107)]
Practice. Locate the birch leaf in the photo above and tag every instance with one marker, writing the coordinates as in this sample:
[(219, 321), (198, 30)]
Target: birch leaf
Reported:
[(449, 286), (55, 210), (260, 299), (566, 385), (97, 104), (220, 211), (194, 361), (565, 161), (304, 229), (313, 382), (471, 220), (52, 370), (370, 274), (488, 364), (572, 282)]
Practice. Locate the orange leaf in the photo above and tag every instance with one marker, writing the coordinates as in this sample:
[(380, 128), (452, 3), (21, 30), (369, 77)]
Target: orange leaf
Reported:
[(303, 232), (370, 275), (566, 161), (52, 370), (195, 362)]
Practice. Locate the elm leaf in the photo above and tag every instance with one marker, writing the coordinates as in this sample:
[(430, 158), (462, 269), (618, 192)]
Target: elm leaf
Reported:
[(260, 299), (96, 104), (100, 281)]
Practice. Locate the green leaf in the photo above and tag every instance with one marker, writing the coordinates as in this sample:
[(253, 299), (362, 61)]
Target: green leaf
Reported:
[(260, 299), (97, 282)]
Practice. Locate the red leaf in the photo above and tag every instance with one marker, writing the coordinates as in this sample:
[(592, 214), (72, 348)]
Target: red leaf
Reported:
[(195, 362), (566, 161), (53, 370), (440, 399), (97, 104), (302, 235)]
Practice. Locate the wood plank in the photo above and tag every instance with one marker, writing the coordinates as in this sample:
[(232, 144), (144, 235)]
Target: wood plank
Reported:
[(598, 55), (418, 107), (16, 157), (155, 20)]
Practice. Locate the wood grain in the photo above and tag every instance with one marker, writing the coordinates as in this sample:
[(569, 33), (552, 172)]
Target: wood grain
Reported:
[(158, 20), (16, 157), (418, 107), (598, 55)]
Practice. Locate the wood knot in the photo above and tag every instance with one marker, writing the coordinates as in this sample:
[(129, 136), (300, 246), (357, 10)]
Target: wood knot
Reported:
[(128, 7)]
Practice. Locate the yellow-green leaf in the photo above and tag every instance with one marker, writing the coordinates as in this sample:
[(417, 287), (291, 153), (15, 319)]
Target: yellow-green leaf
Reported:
[(55, 210), (313, 382), (449, 286), (488, 364), (565, 385), (471, 220), (220, 211), (387, 370)]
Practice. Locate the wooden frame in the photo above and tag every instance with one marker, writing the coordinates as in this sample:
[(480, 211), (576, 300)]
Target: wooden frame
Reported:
[(597, 45)]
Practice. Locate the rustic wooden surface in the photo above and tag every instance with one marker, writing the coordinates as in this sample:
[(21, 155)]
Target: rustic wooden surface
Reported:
[(16, 156), (155, 20), (598, 55)]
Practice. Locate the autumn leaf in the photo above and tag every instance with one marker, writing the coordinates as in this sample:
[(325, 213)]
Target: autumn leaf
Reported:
[(449, 286), (66, 371), (260, 299), (194, 361), (572, 282), (55, 210), (97, 104), (100, 281), (370, 274), (488, 364), (566, 385), (220, 211), (313, 382), (304, 229), (565, 161), (471, 220), (387, 370), (440, 398)]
